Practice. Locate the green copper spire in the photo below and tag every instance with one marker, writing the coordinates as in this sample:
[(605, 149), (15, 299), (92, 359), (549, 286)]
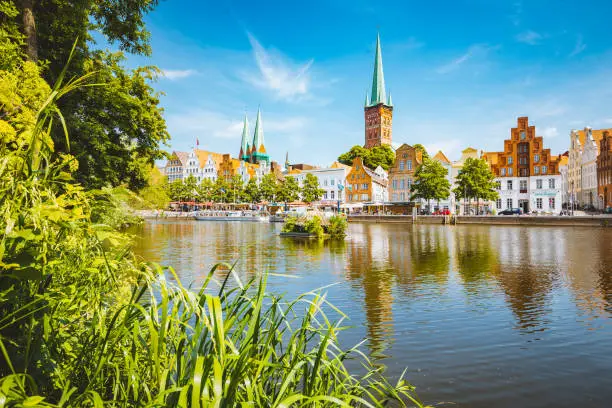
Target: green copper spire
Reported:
[(258, 137), (378, 80), (367, 101), (389, 100), (244, 145)]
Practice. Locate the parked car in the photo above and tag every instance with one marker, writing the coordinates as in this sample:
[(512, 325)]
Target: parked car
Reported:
[(514, 211)]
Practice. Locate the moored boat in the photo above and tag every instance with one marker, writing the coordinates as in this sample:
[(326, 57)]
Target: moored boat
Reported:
[(228, 216)]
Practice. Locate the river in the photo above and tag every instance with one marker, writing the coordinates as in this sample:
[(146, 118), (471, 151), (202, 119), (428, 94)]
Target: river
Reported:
[(480, 316)]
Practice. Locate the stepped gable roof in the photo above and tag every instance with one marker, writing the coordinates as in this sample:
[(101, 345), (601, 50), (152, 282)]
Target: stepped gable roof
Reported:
[(564, 161), (203, 156), (441, 157), (597, 135)]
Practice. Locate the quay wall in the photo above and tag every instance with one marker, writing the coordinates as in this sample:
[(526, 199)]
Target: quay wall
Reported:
[(559, 221)]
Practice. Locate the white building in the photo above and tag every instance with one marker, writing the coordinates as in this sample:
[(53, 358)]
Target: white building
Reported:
[(588, 172), (332, 180), (175, 166), (564, 170)]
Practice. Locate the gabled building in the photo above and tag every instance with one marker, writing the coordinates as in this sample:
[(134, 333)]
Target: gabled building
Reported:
[(365, 185), (378, 108), (527, 173), (332, 180), (401, 174), (175, 166), (604, 170), (588, 172)]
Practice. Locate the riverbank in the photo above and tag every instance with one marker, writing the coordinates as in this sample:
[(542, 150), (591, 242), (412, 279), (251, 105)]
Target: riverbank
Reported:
[(557, 221)]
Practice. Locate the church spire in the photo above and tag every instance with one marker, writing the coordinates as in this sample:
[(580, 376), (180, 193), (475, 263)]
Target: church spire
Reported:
[(367, 100), (258, 136), (244, 144), (378, 79)]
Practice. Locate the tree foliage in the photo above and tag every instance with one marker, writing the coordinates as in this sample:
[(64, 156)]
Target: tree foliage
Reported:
[(420, 148), (431, 182), (382, 156), (475, 181), (268, 187), (235, 188), (117, 128), (251, 191), (311, 191), (288, 190)]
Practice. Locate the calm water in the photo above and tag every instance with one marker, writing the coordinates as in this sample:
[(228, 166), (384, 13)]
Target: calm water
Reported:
[(481, 316)]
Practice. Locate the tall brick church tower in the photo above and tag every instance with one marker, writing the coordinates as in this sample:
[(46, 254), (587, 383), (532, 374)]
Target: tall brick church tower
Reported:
[(378, 108)]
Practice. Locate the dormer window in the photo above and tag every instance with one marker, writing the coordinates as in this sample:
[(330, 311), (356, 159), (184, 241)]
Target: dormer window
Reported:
[(523, 135)]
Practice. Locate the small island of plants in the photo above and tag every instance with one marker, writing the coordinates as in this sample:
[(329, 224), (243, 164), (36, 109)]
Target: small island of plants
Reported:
[(315, 225)]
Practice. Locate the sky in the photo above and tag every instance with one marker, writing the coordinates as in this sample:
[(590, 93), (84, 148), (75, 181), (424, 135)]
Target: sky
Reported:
[(460, 72)]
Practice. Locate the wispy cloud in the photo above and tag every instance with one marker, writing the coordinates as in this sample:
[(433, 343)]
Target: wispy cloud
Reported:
[(579, 47), (473, 51), (550, 132), (517, 13), (410, 44), (288, 80), (529, 37), (174, 74)]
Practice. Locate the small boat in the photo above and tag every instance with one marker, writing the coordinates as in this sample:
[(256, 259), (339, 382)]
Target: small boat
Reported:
[(227, 216)]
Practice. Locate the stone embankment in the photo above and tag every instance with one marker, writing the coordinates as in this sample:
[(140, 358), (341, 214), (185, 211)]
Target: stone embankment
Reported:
[(559, 221)]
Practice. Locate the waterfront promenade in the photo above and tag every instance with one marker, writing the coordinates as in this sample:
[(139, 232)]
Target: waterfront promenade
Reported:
[(526, 220)]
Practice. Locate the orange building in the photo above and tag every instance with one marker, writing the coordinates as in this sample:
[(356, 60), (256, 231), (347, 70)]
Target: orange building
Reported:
[(604, 169), (378, 109), (528, 173), (365, 185), (401, 174)]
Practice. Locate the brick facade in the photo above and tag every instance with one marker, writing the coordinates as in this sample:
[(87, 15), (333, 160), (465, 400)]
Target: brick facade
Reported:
[(604, 169), (378, 125), (401, 174)]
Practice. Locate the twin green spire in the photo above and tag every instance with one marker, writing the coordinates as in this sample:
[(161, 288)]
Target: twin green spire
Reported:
[(379, 94), (244, 145), (256, 152)]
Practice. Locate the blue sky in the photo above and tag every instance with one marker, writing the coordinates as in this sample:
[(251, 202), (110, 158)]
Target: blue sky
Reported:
[(460, 71)]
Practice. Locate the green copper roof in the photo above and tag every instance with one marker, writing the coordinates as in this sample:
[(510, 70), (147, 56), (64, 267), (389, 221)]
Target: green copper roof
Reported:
[(258, 136), (244, 145), (389, 100), (367, 101), (378, 80)]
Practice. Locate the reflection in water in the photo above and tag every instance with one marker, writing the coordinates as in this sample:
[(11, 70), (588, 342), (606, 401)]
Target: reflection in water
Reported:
[(475, 312)]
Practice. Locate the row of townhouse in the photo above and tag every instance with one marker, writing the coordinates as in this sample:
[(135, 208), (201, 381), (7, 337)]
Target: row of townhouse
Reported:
[(587, 181)]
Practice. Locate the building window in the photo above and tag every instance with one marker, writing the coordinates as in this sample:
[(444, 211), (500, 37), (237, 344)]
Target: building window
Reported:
[(523, 186), (365, 197), (357, 167), (401, 184), (331, 182), (498, 203), (509, 185), (325, 182), (539, 203), (509, 171), (551, 202), (405, 155), (509, 160), (401, 165), (364, 186), (408, 183), (551, 183), (544, 169), (402, 196), (333, 193), (503, 171), (509, 203), (409, 164), (536, 170), (325, 195), (394, 183), (539, 184), (394, 197), (523, 136), (536, 158)]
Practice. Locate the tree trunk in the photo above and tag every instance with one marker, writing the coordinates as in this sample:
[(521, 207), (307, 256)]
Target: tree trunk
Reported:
[(29, 29)]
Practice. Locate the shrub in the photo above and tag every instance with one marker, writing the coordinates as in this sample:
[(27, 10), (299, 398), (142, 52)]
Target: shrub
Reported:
[(337, 226), (313, 226)]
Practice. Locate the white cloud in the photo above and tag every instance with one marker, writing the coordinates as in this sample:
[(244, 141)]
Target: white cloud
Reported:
[(174, 74), (473, 51), (529, 37), (550, 132), (288, 80), (579, 47)]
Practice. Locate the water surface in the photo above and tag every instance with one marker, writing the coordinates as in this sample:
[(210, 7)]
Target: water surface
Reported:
[(481, 316)]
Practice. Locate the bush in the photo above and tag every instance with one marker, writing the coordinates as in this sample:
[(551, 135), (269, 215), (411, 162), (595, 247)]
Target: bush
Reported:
[(337, 226), (313, 226)]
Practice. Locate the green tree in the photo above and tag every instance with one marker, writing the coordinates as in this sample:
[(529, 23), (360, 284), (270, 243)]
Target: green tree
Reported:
[(236, 188), (251, 191), (191, 188), (177, 191), (155, 193), (311, 191), (475, 181), (382, 156), (431, 182), (11, 40), (220, 192), (115, 127), (205, 190), (420, 148), (288, 190), (267, 187)]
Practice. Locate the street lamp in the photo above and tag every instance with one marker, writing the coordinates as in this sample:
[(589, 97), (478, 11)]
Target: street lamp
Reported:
[(340, 188)]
